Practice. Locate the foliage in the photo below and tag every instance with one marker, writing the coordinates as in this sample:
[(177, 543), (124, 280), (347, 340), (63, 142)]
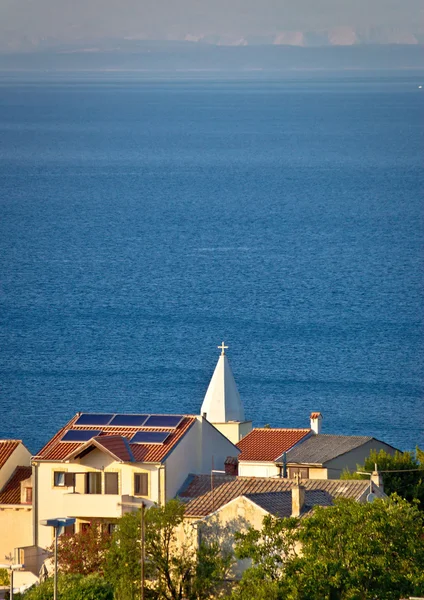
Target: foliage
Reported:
[(122, 567), (4, 577), (350, 551), (175, 570), (270, 548), (409, 485), (71, 587), (83, 552)]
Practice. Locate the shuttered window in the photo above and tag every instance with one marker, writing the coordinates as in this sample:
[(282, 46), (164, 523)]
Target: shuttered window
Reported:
[(70, 479), (141, 484), (303, 472), (93, 483), (111, 483)]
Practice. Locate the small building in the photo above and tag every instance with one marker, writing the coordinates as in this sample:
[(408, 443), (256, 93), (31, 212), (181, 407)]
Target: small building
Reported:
[(16, 515), (325, 456), (262, 447), (228, 504)]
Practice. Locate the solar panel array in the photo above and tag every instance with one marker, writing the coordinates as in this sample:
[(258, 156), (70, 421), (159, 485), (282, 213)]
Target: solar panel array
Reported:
[(79, 435), (150, 437), (124, 420), (93, 419)]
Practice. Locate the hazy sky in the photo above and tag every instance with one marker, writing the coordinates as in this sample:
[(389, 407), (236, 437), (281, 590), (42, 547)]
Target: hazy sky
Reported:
[(171, 19)]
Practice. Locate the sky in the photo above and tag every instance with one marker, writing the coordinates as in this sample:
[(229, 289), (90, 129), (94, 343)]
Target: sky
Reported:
[(70, 20)]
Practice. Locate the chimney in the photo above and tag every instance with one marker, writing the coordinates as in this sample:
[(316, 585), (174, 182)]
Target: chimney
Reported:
[(231, 465), (298, 498), (316, 419), (377, 478)]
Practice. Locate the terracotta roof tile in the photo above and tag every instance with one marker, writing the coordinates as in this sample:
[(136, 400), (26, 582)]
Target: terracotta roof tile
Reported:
[(7, 447), (268, 444), (264, 491), (57, 450), (11, 493)]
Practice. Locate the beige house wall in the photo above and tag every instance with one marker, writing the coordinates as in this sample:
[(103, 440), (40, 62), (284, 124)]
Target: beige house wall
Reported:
[(20, 457), (15, 528), (237, 515), (250, 468), (201, 447), (318, 473), (62, 502), (351, 459), (234, 430)]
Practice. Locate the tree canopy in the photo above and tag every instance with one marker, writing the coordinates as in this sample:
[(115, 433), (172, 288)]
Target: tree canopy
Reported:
[(406, 477), (350, 551)]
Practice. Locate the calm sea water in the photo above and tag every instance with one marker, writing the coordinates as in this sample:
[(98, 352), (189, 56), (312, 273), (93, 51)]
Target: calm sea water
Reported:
[(143, 222)]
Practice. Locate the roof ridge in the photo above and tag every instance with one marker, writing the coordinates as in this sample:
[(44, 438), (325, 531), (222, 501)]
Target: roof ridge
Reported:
[(278, 429)]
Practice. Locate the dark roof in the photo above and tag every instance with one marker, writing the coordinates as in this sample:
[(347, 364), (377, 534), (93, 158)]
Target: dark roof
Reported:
[(115, 445), (267, 444), (11, 492), (116, 440), (319, 449), (272, 494), (7, 448)]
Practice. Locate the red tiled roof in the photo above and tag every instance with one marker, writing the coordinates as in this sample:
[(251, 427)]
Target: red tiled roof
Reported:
[(11, 493), (7, 447), (264, 491), (268, 444), (57, 450)]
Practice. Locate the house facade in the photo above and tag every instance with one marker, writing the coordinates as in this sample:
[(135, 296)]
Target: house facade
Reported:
[(16, 514), (260, 449), (99, 465), (232, 504), (326, 456)]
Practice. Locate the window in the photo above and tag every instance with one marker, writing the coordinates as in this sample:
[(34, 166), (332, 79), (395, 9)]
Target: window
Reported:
[(93, 483), (70, 480), (28, 495), (111, 483), (141, 484), (303, 472), (111, 527), (59, 479), (69, 529)]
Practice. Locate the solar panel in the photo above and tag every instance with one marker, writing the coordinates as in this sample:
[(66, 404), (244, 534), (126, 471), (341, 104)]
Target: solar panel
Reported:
[(79, 435), (163, 421), (128, 420), (93, 419), (150, 437)]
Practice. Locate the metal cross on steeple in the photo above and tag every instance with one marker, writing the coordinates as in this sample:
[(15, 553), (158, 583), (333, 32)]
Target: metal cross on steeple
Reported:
[(222, 347)]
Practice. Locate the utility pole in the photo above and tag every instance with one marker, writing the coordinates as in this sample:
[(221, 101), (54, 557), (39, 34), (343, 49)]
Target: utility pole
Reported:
[(56, 524)]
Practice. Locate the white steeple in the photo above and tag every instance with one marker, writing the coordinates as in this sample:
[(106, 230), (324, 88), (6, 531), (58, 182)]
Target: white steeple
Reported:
[(222, 401)]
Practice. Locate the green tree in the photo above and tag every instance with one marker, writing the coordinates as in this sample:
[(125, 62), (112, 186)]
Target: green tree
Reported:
[(408, 484), (4, 577), (71, 587), (174, 569), (350, 551), (270, 548), (84, 552)]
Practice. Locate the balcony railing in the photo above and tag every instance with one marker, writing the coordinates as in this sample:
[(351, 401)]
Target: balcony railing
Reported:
[(97, 505)]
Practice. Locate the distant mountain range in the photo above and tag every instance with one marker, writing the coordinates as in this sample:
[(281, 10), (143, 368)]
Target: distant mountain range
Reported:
[(145, 55), (339, 36)]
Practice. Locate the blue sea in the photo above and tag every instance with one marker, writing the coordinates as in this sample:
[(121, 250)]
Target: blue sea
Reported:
[(144, 219)]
